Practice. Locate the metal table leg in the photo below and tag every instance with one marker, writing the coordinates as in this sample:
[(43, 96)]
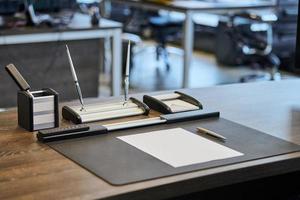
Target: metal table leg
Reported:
[(116, 63), (188, 46)]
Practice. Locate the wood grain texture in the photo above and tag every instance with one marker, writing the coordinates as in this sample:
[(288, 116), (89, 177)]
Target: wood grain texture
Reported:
[(30, 170)]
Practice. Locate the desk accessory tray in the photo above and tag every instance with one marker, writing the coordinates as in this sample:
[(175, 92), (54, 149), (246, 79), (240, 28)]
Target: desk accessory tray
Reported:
[(103, 111), (38, 110), (95, 129), (172, 102)]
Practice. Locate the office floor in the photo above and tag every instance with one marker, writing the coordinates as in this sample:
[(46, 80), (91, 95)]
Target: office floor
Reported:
[(149, 75)]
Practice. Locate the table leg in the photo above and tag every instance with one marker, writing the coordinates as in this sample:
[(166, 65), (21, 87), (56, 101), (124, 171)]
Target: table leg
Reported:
[(116, 63), (188, 46)]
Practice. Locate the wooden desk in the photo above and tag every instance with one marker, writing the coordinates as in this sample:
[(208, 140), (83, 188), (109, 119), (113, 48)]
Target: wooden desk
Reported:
[(189, 8), (29, 169)]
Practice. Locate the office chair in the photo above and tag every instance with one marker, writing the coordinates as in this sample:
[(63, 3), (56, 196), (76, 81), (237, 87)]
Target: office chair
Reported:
[(249, 41), (165, 29), (285, 33)]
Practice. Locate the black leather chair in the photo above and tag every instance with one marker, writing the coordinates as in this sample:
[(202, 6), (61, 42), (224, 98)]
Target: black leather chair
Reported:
[(246, 39), (285, 33)]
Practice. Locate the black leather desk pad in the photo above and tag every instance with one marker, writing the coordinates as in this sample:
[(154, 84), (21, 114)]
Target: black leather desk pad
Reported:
[(119, 163)]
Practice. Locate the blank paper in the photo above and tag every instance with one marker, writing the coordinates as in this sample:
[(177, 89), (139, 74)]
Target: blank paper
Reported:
[(178, 147)]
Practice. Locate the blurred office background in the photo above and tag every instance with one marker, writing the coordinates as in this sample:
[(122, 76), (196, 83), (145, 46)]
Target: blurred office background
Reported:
[(230, 46)]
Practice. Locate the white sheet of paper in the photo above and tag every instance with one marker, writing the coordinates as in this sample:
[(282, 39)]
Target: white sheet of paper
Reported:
[(178, 147)]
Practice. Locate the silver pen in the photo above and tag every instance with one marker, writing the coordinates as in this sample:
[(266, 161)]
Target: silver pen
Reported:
[(126, 80), (75, 79), (211, 133)]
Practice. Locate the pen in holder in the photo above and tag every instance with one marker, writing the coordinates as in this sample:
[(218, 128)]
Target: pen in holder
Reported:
[(38, 110)]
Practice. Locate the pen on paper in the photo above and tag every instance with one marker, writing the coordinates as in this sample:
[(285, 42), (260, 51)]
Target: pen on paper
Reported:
[(211, 133)]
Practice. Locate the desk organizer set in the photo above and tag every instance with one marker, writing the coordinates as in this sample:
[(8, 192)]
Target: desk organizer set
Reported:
[(172, 103), (36, 109), (179, 106), (111, 151), (165, 104), (114, 151), (148, 146), (104, 111)]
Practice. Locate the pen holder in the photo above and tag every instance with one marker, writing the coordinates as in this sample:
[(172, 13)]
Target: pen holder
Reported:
[(38, 110)]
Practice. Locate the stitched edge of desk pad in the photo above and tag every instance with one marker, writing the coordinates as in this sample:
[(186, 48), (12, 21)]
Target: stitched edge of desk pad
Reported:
[(119, 163)]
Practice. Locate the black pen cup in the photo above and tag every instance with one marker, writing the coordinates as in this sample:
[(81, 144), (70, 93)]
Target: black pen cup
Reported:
[(38, 109)]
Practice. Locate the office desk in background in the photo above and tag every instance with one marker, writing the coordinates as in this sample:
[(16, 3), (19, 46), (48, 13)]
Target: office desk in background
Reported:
[(29, 169), (79, 29), (189, 8)]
